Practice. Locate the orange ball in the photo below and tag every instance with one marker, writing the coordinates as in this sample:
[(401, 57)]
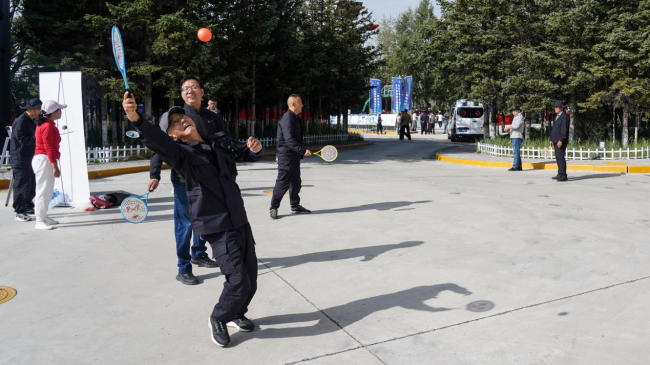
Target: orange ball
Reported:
[(204, 34)]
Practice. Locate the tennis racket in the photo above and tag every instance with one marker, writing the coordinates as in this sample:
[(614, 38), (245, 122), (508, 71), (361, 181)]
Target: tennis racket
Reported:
[(118, 52), (504, 133), (327, 153), (132, 134), (134, 209)]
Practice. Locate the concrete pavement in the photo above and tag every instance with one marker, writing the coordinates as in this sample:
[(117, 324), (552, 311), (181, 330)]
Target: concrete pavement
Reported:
[(405, 260)]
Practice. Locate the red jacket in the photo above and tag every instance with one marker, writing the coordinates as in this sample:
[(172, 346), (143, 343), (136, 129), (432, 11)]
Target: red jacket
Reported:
[(48, 140)]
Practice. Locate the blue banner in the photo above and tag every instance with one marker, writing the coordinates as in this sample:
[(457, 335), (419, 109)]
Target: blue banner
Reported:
[(408, 100), (375, 96), (397, 95)]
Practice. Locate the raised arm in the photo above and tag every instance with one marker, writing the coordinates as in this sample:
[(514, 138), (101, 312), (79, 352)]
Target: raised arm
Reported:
[(152, 137)]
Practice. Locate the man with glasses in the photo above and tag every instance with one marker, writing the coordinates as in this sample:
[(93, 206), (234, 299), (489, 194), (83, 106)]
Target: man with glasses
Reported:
[(207, 123)]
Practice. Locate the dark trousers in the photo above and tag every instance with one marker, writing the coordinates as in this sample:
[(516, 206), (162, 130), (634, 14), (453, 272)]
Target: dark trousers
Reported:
[(380, 129), (234, 251), (405, 130), (288, 179), (187, 248), (423, 128), (561, 160), (432, 127), (24, 188)]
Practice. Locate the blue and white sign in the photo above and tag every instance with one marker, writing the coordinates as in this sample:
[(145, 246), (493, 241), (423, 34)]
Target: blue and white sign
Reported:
[(375, 96), (408, 102), (397, 95)]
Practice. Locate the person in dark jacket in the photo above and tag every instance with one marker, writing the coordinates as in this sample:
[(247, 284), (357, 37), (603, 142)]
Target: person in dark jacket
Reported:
[(405, 125), (290, 152), (21, 153), (216, 206), (560, 139), (189, 250)]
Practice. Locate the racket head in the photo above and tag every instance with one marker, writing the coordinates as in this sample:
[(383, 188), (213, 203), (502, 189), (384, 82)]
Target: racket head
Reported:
[(134, 209), (118, 53), (328, 153), (132, 134)]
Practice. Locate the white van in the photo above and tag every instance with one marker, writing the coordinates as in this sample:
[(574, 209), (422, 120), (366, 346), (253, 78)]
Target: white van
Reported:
[(466, 120)]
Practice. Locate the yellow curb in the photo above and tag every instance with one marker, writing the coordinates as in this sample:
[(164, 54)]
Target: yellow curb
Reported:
[(542, 166), (132, 169), (639, 169)]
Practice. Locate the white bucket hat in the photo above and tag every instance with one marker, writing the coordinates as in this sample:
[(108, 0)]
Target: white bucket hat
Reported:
[(51, 106)]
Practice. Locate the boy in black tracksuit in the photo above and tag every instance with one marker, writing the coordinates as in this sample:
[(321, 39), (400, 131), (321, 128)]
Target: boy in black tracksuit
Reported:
[(216, 206)]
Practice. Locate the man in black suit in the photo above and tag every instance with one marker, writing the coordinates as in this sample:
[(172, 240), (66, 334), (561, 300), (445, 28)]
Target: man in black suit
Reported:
[(560, 139), (290, 152)]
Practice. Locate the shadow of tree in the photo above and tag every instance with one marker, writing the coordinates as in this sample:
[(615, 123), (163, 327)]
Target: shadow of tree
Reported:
[(373, 206)]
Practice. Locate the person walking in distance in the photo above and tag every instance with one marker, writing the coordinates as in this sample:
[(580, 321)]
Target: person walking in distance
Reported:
[(380, 129), (414, 125), (439, 119), (424, 118), (21, 154), (405, 125), (290, 152), (560, 139), (516, 137), (46, 160)]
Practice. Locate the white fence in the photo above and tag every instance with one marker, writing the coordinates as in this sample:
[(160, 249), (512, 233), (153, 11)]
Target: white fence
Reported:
[(110, 154), (571, 154)]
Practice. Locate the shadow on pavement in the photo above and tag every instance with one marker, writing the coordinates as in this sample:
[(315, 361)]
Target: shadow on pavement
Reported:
[(366, 253), (347, 314), (373, 206), (594, 176)]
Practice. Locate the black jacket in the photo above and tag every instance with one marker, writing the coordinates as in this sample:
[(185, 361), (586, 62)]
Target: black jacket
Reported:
[(207, 123), (560, 130), (23, 142), (210, 170), (290, 137)]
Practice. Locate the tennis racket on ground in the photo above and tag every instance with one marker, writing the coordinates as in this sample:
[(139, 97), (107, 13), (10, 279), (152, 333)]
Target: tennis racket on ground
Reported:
[(134, 209), (327, 153), (118, 52)]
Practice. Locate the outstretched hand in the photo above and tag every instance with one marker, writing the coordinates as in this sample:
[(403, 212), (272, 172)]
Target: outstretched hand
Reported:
[(130, 107), (254, 144)]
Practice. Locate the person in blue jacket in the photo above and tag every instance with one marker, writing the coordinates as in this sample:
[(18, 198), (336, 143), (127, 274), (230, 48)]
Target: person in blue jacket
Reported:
[(216, 206)]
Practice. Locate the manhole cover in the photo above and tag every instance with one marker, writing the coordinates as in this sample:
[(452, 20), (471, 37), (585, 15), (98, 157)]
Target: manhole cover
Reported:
[(271, 192), (6, 294), (394, 155), (480, 306)]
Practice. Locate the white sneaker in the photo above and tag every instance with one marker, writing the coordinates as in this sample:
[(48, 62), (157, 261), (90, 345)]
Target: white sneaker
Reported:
[(43, 225), (51, 221)]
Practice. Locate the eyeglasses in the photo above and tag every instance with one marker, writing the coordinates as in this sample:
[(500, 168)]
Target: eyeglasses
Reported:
[(188, 88)]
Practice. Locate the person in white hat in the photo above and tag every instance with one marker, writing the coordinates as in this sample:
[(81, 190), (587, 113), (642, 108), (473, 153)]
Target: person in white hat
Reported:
[(45, 161)]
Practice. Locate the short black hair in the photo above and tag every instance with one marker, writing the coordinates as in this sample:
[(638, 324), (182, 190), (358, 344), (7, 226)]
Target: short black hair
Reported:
[(212, 98), (190, 77)]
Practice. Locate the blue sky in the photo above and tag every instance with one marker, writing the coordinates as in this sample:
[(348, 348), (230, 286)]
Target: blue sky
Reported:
[(381, 8)]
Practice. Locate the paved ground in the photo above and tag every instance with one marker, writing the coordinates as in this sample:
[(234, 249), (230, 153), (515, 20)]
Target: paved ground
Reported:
[(405, 261)]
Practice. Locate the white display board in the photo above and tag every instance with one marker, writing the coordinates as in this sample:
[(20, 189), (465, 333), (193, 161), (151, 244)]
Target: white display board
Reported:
[(65, 88), (367, 119)]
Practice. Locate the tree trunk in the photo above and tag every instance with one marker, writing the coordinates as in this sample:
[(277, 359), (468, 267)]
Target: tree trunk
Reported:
[(172, 101), (237, 118), (104, 122), (636, 129), (486, 121), (345, 120), (148, 82), (527, 127), (253, 110), (114, 115), (624, 134), (573, 108), (494, 120)]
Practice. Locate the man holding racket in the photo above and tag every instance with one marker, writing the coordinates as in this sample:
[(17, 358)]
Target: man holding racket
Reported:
[(189, 250), (216, 206), (290, 152)]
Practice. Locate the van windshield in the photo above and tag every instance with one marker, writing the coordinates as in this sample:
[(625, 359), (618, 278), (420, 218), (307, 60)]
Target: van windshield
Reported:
[(470, 112)]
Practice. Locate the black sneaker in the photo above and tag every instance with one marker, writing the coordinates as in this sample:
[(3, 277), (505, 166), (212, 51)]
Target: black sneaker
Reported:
[(204, 261), (562, 178), (555, 177), (22, 217), (187, 279), (30, 211), (274, 213), (300, 210), (242, 323), (218, 332)]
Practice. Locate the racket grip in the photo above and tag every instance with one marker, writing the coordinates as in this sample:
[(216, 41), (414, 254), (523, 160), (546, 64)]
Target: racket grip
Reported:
[(128, 90)]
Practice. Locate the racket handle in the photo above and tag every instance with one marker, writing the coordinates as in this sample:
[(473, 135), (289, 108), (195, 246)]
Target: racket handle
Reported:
[(128, 90)]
